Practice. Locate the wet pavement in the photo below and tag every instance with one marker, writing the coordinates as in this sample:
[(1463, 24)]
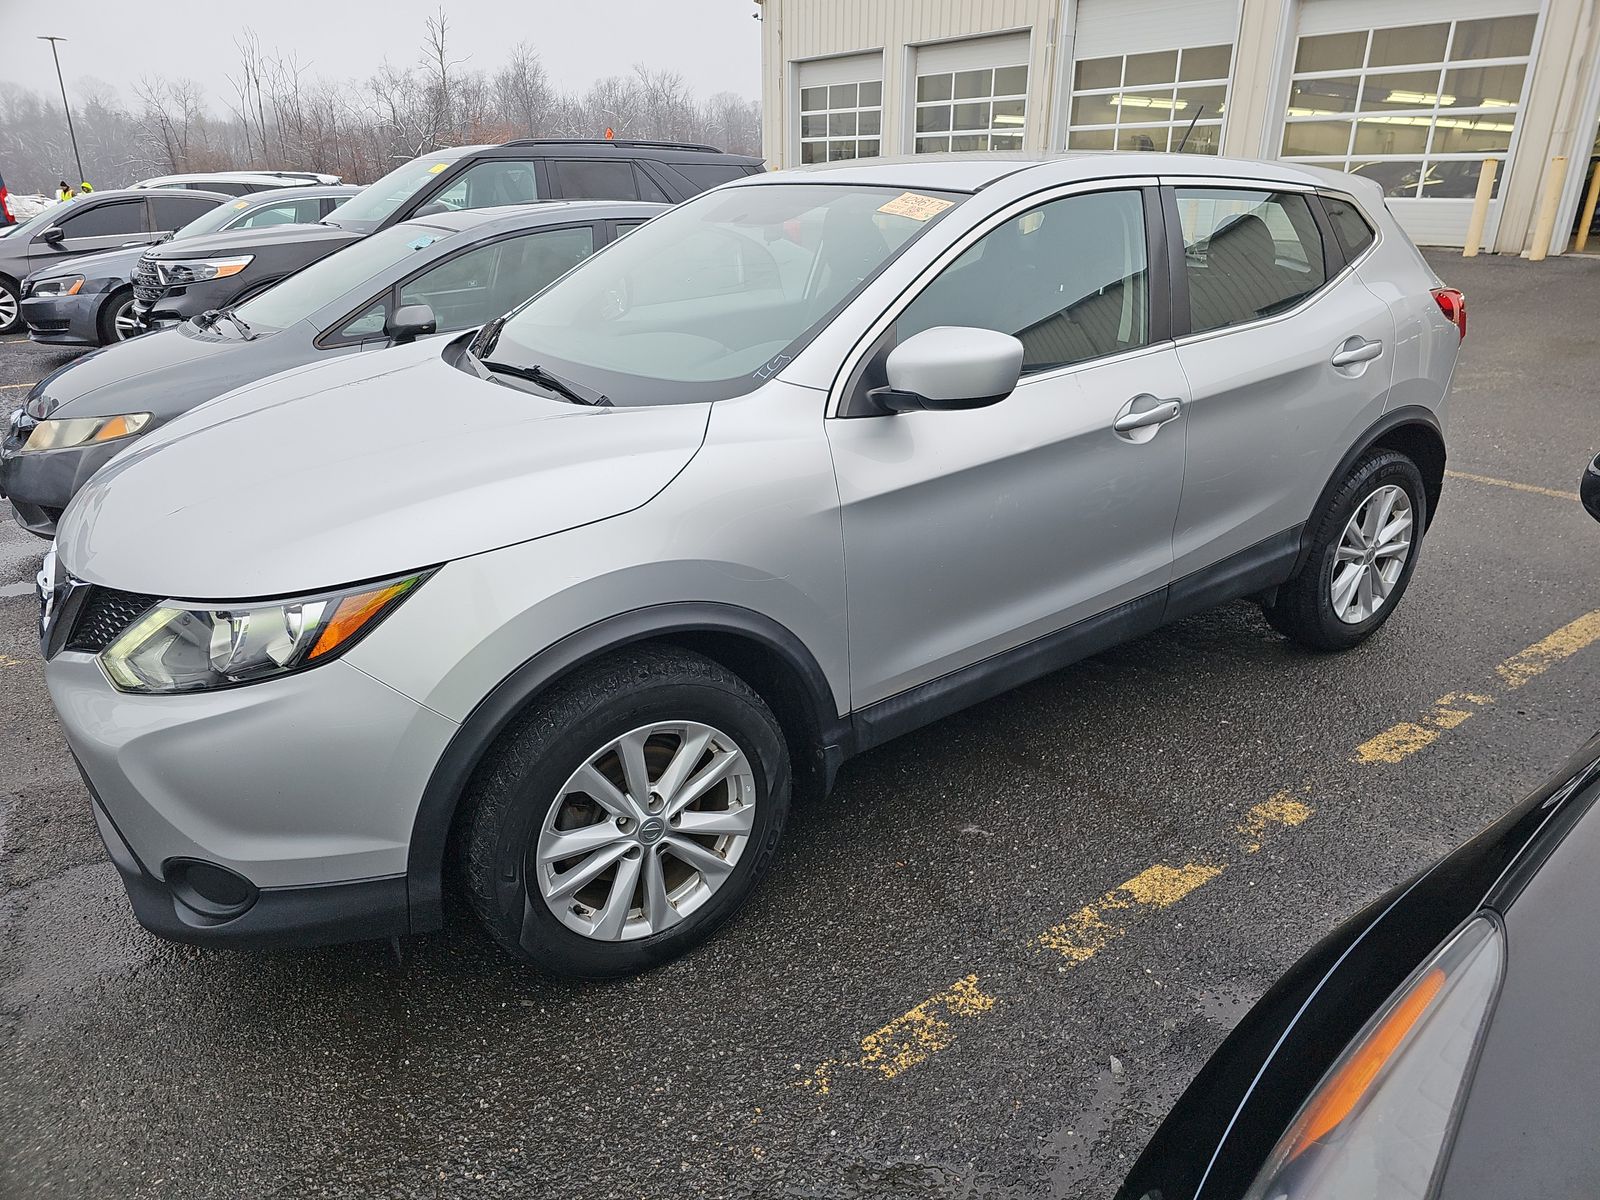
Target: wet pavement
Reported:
[(915, 1005)]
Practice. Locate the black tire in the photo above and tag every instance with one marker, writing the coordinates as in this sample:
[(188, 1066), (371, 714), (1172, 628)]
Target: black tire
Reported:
[(107, 321), (1303, 608), (13, 294), (520, 779)]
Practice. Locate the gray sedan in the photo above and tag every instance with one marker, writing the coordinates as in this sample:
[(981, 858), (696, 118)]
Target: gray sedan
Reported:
[(88, 301), (441, 273)]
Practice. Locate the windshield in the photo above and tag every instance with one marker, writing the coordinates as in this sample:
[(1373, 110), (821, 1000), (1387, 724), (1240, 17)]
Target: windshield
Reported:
[(324, 281), (379, 200), (696, 304)]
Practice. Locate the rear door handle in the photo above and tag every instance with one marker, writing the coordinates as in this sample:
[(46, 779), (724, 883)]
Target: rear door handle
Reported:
[(1160, 414), (1355, 350)]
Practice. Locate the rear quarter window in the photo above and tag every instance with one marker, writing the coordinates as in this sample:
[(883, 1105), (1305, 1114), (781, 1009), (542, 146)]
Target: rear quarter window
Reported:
[(705, 176), (1349, 226)]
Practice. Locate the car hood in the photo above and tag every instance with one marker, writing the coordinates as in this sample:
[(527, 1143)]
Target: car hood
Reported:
[(105, 265), (360, 468), (239, 241), (165, 372)]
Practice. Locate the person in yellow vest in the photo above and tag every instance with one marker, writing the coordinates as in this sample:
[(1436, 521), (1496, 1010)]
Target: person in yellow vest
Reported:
[(84, 189), (64, 192)]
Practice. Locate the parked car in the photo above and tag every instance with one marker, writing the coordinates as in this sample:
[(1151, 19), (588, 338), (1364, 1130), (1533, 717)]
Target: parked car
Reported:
[(101, 221), (239, 183), (88, 301), (443, 273), (173, 283), (1441, 1043), (798, 466)]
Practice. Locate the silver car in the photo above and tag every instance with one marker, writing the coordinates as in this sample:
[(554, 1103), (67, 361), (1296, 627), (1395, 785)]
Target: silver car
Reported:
[(581, 601)]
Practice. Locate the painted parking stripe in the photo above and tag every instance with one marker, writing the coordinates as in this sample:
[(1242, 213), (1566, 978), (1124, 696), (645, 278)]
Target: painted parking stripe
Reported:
[(1512, 484), (14, 387)]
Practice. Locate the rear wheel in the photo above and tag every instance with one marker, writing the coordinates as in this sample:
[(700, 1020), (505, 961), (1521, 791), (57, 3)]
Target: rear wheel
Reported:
[(117, 322), (10, 306), (626, 816), (1364, 552)]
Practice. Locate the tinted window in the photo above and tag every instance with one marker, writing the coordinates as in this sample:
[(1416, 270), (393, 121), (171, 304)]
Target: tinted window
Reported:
[(1349, 226), (473, 287), (174, 212), (709, 175), (650, 190), (107, 220), (491, 184), (1247, 254), (227, 189), (595, 179), (290, 212), (1068, 279)]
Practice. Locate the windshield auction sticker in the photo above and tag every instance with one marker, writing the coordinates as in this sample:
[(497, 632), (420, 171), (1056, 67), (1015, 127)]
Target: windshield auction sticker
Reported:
[(917, 207)]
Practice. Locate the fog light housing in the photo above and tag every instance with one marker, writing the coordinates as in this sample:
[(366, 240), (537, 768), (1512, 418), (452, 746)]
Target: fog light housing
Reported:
[(210, 890)]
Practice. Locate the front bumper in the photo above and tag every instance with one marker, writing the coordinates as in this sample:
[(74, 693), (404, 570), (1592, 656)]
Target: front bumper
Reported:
[(40, 484), (305, 788), (64, 320)]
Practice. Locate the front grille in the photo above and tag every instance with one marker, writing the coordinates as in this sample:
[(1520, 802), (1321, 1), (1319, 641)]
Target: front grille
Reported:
[(105, 613), (146, 283)]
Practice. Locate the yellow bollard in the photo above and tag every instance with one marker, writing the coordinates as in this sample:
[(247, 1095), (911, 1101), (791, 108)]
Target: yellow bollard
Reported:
[(1480, 206), (1554, 178), (1588, 210)]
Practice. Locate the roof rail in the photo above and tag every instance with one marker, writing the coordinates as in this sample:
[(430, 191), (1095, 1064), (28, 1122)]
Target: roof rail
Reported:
[(641, 142)]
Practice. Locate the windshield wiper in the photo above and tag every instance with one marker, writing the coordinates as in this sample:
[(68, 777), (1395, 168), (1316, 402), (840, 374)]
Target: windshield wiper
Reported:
[(575, 392), (212, 315), (483, 344)]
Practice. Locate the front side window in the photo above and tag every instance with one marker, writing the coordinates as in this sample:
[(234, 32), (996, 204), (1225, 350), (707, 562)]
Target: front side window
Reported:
[(1167, 100), (483, 283), (981, 109), (1247, 254), (838, 121), (492, 184), (1068, 279), (710, 298), (378, 201), (106, 220), (290, 212)]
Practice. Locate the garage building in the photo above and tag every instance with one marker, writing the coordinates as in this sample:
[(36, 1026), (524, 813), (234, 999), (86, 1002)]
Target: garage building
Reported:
[(1415, 95)]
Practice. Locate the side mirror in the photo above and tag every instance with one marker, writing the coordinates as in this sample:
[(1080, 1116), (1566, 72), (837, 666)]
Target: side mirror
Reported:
[(409, 323), (1589, 489), (55, 235), (950, 367)]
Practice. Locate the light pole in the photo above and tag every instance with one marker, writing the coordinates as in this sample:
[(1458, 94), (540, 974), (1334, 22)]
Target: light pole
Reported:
[(65, 106)]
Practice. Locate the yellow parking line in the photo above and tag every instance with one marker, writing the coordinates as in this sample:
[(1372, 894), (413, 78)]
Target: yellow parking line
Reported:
[(911, 1037), (1512, 484), (1283, 809), (1087, 932), (13, 387), (1547, 652), (7, 661)]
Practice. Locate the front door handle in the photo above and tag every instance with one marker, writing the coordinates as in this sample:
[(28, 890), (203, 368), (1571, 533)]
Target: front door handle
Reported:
[(1159, 414), (1355, 350)]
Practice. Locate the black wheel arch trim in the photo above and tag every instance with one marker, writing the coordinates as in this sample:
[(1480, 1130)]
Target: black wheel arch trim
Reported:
[(436, 812), (1413, 415)]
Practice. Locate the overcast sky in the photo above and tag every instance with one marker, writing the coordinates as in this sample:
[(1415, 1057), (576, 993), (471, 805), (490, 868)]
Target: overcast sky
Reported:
[(715, 44)]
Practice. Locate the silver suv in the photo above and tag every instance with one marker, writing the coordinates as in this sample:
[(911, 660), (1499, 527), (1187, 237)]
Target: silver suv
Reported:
[(576, 604)]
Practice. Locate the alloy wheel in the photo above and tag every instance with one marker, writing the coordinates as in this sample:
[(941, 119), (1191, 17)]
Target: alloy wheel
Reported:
[(645, 831), (1371, 555), (8, 309), (124, 324)]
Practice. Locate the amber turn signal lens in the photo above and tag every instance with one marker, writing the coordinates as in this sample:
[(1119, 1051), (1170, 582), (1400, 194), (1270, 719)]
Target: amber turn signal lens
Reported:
[(354, 613)]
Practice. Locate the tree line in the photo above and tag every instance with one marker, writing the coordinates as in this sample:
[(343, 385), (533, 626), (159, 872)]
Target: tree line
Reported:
[(279, 116)]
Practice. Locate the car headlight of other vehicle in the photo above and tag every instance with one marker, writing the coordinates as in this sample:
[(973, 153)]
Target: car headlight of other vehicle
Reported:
[(83, 431), (1380, 1120), (177, 647), (65, 285), (195, 270)]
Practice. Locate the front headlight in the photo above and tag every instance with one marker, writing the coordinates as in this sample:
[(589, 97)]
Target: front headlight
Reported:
[(65, 285), (178, 648), (1380, 1120), (81, 431), (177, 272)]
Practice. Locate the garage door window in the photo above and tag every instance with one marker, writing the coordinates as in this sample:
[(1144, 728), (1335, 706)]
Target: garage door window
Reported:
[(1416, 108), (982, 109), (840, 121), (1169, 99), (1247, 254)]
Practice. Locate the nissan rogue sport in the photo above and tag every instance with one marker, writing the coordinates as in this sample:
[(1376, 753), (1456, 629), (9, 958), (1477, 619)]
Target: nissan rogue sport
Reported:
[(580, 600)]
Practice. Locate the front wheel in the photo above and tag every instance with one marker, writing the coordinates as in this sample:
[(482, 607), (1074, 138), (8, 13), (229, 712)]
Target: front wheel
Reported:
[(117, 321), (1361, 560), (626, 815), (10, 306)]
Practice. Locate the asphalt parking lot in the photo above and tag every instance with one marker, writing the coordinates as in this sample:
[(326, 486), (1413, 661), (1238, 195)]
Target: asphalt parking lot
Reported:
[(984, 967)]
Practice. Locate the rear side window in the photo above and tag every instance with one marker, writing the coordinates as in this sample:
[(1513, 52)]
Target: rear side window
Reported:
[(1247, 254), (107, 220), (1068, 279), (708, 175), (1349, 226), (174, 212), (595, 179)]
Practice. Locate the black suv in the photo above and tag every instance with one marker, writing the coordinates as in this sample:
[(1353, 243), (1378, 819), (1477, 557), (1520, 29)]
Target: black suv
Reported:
[(172, 283)]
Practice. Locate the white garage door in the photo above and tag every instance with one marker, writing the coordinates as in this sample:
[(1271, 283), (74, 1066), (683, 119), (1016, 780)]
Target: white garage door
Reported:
[(1413, 96), (841, 107), (1151, 74), (971, 94)]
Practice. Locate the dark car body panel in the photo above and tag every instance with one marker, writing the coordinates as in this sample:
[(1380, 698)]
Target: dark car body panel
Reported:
[(19, 259), (1221, 1131)]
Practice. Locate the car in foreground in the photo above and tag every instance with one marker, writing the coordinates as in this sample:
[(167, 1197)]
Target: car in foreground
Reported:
[(580, 600), (86, 225), (239, 183), (88, 301), (174, 283), (461, 269), (1441, 1044)]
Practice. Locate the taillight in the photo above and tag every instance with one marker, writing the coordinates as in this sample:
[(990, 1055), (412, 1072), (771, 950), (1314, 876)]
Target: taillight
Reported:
[(1454, 306), (5, 207)]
